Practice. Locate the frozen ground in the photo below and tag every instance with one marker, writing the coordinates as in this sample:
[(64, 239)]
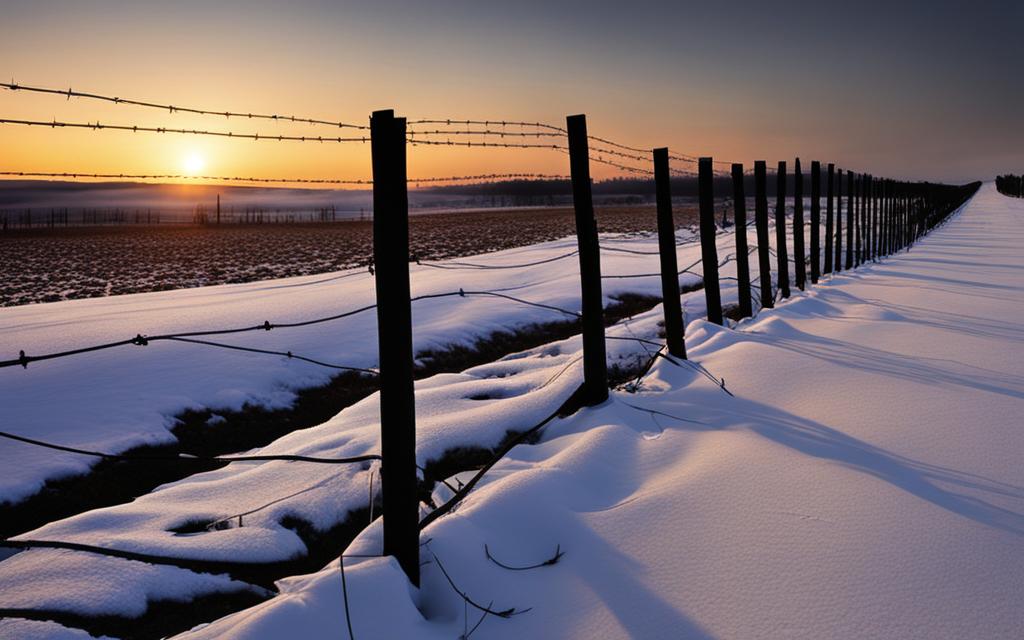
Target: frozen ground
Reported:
[(864, 482), (48, 265), (114, 400)]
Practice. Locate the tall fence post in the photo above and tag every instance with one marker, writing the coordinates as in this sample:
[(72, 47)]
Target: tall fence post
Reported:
[(781, 251), (764, 265), (849, 219), (829, 216), (870, 252), (595, 365), (708, 248), (815, 221), (394, 334), (876, 186), (739, 199), (858, 221), (890, 222), (799, 248), (674, 327), (837, 263)]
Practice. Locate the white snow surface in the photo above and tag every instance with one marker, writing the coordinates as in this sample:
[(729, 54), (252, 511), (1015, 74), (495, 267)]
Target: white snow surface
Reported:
[(18, 629), (72, 582), (864, 481), (125, 397)]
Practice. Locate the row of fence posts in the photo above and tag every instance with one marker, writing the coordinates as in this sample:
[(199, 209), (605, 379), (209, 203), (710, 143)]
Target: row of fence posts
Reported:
[(1010, 185), (882, 217)]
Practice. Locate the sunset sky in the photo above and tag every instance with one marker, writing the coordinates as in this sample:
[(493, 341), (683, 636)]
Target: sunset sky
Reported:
[(924, 90)]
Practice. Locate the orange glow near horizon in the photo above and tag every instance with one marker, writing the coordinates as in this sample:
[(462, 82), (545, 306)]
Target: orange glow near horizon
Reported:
[(738, 98)]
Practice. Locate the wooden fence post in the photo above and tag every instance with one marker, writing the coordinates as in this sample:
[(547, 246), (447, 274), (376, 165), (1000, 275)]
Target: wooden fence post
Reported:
[(739, 199), (872, 214), (858, 221), (799, 234), (764, 265), (595, 365), (394, 333), (849, 219), (875, 188), (829, 216), (837, 263), (890, 223), (781, 250), (708, 248), (674, 328), (815, 221)]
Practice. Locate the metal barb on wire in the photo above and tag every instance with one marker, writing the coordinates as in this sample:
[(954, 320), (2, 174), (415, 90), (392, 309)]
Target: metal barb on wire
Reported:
[(198, 132), (69, 93), (184, 457)]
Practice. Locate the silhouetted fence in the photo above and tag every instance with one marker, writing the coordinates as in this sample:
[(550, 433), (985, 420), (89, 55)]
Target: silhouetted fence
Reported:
[(882, 217), (1010, 185)]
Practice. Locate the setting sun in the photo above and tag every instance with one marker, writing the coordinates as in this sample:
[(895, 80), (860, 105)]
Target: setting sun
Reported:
[(193, 163)]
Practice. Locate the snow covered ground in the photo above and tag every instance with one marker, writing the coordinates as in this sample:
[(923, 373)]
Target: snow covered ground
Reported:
[(863, 482), (117, 399)]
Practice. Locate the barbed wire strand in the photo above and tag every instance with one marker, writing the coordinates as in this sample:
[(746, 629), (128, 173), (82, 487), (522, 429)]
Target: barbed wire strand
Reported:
[(184, 457), (70, 93), (139, 340), (171, 176), (486, 123), (97, 126)]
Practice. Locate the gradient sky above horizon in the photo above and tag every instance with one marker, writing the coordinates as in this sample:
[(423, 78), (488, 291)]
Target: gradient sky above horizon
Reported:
[(919, 90)]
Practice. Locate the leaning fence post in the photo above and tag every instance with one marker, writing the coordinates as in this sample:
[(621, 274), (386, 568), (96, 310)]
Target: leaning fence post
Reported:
[(708, 248), (764, 265), (829, 216), (799, 250), (739, 199), (674, 328), (815, 221), (394, 334), (781, 252), (595, 366)]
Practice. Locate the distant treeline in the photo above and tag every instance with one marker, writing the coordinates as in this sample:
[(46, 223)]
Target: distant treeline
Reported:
[(1010, 185), (682, 187)]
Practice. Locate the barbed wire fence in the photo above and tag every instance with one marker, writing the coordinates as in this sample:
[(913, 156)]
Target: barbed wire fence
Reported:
[(882, 217)]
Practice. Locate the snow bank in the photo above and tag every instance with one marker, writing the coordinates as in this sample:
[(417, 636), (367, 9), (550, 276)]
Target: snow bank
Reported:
[(40, 630), (863, 482), (72, 582), (114, 400), (126, 397)]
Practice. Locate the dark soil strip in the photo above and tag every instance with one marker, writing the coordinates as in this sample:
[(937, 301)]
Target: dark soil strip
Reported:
[(45, 265), (113, 482)]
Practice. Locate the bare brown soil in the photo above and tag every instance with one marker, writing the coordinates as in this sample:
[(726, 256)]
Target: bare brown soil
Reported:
[(46, 265)]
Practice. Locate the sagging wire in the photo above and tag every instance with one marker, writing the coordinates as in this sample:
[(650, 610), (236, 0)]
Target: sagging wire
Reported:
[(185, 457), (505, 613), (23, 359), (546, 563), (97, 126), (70, 93)]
